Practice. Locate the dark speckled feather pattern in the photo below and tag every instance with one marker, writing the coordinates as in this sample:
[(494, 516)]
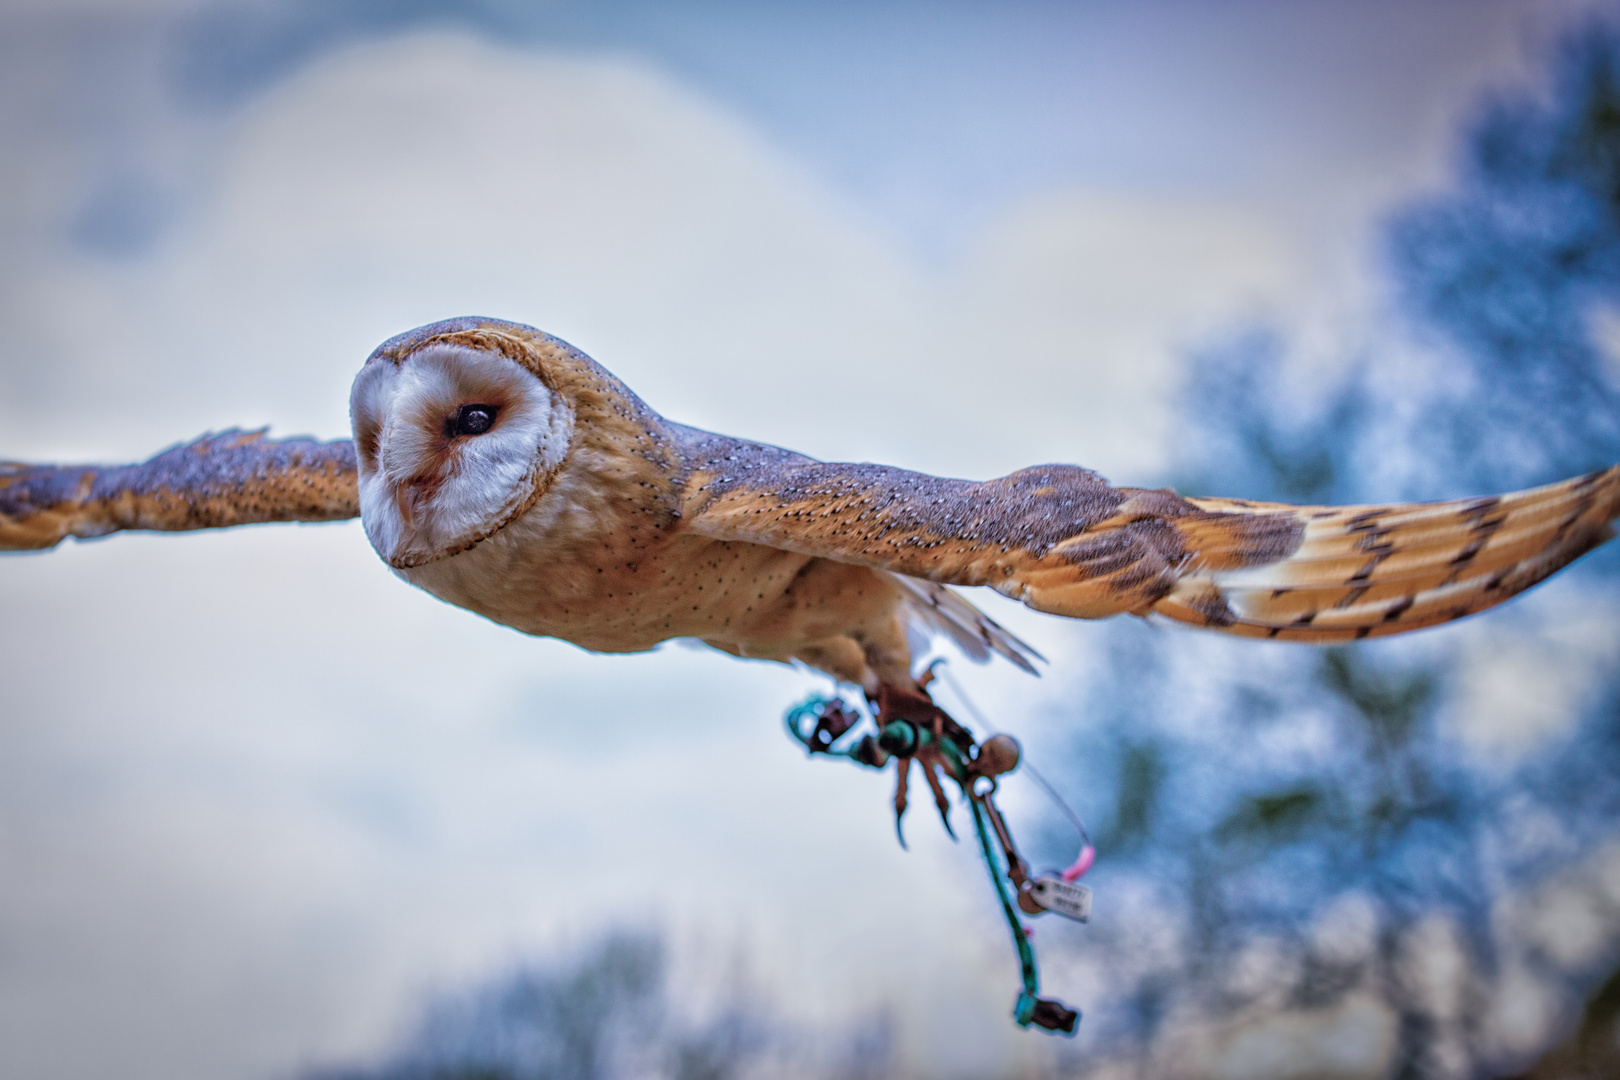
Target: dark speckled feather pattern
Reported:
[(232, 478), (1057, 537)]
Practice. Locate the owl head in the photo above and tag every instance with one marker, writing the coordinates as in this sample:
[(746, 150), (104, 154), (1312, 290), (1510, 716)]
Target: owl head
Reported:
[(458, 431)]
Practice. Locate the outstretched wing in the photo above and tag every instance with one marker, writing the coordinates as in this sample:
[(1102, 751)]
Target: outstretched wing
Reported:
[(1062, 540), (232, 478)]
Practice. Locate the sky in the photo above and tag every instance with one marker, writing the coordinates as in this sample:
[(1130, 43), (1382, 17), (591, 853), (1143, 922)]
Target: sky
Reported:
[(256, 796)]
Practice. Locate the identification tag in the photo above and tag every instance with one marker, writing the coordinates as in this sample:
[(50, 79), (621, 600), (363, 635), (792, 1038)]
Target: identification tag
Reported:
[(1055, 894)]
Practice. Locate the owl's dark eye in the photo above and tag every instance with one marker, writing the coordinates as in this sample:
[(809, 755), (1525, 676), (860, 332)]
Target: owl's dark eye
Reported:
[(474, 419)]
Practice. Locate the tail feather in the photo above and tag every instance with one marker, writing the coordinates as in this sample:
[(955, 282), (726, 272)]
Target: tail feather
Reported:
[(1366, 571)]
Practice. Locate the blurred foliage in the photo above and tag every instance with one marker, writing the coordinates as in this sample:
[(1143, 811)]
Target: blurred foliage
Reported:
[(1258, 794), (1245, 436), (1592, 1050), (614, 1010), (1511, 278), (1513, 267)]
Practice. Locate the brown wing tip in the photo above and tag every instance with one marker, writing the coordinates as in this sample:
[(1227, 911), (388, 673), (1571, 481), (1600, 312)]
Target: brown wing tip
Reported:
[(1374, 571), (230, 478), (34, 512)]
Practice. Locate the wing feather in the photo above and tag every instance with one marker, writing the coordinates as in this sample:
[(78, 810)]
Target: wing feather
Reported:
[(232, 478), (1057, 537), (974, 632), (1062, 540), (1366, 571)]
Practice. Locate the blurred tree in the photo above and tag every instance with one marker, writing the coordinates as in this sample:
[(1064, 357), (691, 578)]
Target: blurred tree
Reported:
[(1310, 784), (1592, 1051), (582, 1021), (1519, 270), (610, 1012)]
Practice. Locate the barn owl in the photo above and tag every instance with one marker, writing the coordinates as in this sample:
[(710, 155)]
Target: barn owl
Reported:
[(504, 471)]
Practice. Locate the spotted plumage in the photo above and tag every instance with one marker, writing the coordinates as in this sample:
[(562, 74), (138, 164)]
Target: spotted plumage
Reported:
[(567, 507)]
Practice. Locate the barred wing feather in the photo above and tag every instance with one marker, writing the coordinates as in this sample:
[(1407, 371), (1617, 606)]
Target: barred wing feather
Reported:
[(1366, 571)]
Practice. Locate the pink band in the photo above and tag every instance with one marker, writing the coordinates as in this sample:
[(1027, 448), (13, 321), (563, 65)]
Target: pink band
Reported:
[(1088, 855)]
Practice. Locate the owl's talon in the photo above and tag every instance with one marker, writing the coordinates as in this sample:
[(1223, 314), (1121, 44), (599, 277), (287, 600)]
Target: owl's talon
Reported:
[(929, 674), (941, 803), (902, 769)]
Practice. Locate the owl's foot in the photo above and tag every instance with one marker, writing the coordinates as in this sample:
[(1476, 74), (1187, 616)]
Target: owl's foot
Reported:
[(911, 727)]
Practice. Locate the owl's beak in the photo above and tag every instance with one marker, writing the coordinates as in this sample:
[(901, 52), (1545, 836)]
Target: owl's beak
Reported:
[(405, 497), (410, 495)]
